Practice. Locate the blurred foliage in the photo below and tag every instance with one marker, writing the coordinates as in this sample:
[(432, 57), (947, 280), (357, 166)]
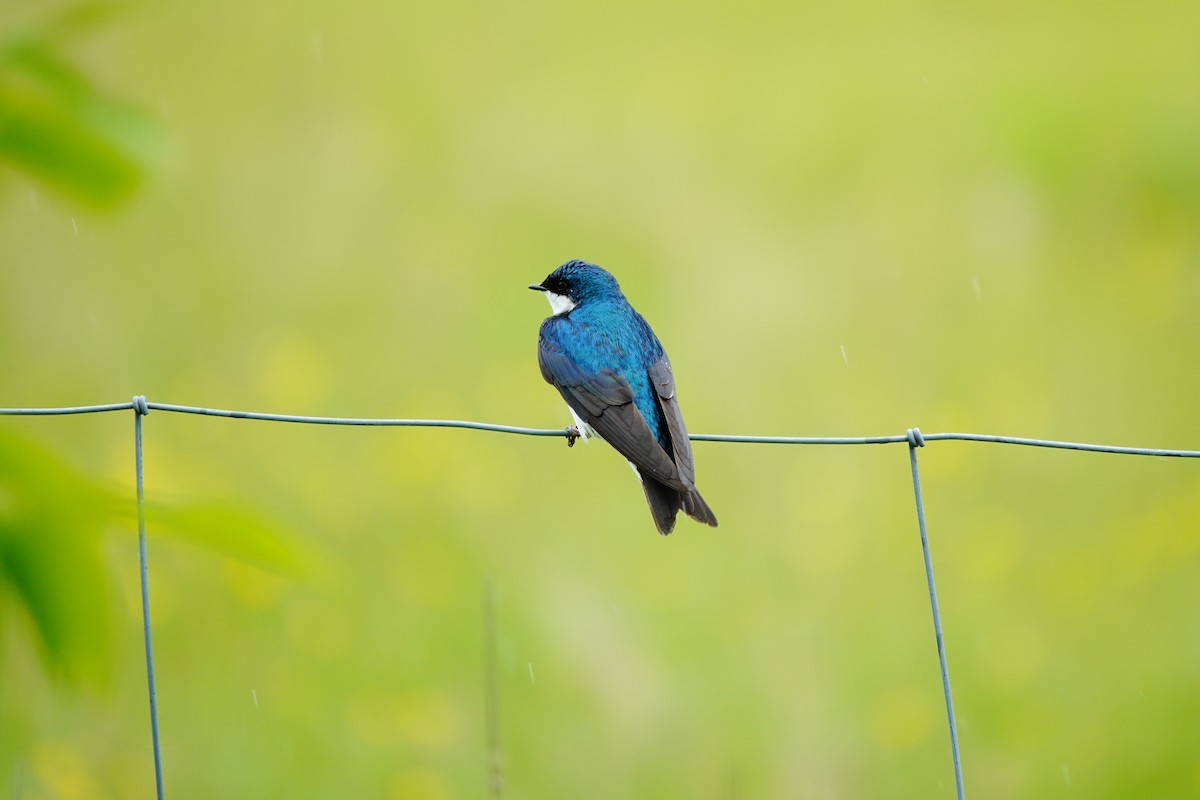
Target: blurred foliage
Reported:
[(840, 220), (57, 124), (55, 576), (52, 522)]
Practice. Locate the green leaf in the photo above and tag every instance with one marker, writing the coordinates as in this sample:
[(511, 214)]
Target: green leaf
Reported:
[(232, 531), (50, 557), (59, 127)]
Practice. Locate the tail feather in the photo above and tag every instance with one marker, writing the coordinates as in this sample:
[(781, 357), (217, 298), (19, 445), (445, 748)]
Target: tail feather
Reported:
[(695, 507), (666, 502)]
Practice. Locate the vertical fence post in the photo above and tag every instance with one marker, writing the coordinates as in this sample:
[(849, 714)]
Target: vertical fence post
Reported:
[(140, 409), (915, 440)]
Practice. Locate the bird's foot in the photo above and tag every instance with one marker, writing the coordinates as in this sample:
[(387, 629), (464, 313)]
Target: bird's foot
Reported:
[(572, 434)]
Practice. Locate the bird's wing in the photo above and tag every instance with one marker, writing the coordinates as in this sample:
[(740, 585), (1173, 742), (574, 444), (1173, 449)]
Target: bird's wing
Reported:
[(663, 381), (604, 400)]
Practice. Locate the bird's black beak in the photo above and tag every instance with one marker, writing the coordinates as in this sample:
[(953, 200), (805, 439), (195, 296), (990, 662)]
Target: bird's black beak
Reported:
[(537, 287)]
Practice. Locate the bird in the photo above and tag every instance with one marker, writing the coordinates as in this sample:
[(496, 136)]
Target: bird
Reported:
[(606, 362)]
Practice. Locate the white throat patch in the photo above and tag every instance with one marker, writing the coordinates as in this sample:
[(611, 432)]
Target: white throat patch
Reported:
[(559, 303)]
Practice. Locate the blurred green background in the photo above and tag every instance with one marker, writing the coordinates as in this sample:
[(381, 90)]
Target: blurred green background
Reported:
[(841, 220)]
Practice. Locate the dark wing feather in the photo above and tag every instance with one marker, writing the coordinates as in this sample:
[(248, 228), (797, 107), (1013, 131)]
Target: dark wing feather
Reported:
[(664, 386), (604, 400)]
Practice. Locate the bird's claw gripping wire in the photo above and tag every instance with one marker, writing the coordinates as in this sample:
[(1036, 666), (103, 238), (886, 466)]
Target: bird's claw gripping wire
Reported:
[(572, 434)]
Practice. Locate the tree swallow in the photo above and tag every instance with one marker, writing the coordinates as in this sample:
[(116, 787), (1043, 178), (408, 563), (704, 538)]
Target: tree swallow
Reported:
[(612, 371)]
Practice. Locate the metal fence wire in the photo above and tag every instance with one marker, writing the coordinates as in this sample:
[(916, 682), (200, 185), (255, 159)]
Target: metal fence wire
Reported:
[(912, 437)]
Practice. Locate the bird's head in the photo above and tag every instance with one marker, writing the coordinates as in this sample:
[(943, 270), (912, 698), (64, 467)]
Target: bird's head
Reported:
[(577, 282)]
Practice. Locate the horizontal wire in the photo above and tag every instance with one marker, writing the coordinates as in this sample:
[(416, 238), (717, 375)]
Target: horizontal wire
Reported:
[(398, 423), (523, 431), (70, 410), (1094, 448), (723, 437)]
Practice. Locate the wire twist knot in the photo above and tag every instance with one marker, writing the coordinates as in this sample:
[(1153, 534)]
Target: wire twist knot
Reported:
[(140, 405), (915, 439)]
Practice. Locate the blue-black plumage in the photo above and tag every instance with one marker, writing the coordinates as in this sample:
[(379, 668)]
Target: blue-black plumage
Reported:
[(611, 369)]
